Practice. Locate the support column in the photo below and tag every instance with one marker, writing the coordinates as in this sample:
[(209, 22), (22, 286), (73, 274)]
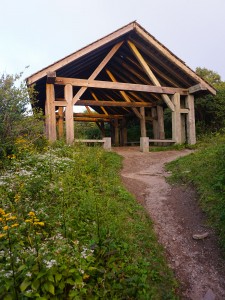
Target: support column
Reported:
[(161, 131), (191, 135), (50, 117), (155, 126), (176, 119), (68, 91), (102, 129), (124, 131), (142, 122), (60, 122), (117, 133)]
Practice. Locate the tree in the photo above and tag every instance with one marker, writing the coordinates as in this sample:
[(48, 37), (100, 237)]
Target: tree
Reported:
[(17, 121), (210, 110)]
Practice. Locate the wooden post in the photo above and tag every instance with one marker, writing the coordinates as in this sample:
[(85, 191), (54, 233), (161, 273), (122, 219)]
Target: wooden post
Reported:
[(160, 114), (191, 135), (124, 131), (50, 120), (183, 128), (117, 137), (176, 119), (68, 91), (155, 124), (142, 122), (102, 129), (60, 122)]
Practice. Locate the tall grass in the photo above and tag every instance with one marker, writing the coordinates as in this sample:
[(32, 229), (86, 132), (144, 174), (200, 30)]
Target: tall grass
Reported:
[(205, 169), (69, 230)]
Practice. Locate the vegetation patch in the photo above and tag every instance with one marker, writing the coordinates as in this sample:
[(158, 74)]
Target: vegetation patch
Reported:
[(69, 230), (205, 169)]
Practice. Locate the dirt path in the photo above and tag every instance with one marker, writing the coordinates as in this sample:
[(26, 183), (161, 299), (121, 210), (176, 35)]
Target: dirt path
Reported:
[(197, 263)]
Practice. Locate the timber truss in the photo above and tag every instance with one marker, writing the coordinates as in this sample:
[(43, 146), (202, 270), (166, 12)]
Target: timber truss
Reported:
[(125, 74)]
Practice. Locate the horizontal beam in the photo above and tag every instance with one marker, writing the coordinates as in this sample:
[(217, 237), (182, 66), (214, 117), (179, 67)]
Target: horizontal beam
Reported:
[(94, 115), (120, 86), (197, 88), (82, 119), (113, 103)]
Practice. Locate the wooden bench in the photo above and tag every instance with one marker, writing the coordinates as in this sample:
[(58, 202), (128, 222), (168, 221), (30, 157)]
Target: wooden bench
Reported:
[(105, 141)]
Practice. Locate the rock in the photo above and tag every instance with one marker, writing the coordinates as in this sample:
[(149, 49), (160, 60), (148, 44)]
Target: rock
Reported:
[(209, 295), (200, 236)]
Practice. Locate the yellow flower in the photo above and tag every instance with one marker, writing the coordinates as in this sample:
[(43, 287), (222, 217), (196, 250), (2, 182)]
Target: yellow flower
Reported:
[(6, 227), (2, 212), (28, 221), (2, 235), (36, 220), (11, 218), (1, 220), (15, 225), (39, 223), (17, 197), (31, 214)]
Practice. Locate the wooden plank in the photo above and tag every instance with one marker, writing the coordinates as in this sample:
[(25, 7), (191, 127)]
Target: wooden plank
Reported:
[(62, 103), (70, 58), (98, 70), (88, 141), (149, 73), (120, 86), (124, 95), (69, 114), (161, 141), (50, 119), (113, 103), (197, 88), (172, 57), (184, 111)]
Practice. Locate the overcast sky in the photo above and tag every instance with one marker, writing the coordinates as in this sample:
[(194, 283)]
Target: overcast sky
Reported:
[(39, 32)]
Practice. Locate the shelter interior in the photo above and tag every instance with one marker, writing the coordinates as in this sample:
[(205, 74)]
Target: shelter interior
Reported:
[(126, 74)]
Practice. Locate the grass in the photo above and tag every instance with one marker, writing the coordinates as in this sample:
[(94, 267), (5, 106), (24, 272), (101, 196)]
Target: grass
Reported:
[(69, 230), (205, 169)]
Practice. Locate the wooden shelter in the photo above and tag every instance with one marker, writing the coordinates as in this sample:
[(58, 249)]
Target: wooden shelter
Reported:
[(127, 73)]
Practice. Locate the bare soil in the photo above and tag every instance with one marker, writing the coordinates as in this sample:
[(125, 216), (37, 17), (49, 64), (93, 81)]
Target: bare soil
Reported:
[(197, 264)]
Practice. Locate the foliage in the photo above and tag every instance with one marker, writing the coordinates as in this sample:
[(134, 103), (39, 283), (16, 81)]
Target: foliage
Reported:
[(205, 169), (69, 230), (19, 128), (210, 110)]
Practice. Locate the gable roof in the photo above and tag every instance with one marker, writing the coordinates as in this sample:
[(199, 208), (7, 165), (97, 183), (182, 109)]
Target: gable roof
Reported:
[(169, 69)]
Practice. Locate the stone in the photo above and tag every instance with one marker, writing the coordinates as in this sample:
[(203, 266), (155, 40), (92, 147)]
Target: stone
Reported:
[(200, 236), (209, 295)]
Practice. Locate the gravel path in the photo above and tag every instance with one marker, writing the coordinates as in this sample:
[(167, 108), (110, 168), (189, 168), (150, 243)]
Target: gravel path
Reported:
[(197, 264)]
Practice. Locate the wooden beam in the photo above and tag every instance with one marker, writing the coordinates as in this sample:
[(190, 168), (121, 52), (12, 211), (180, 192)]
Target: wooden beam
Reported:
[(96, 98), (50, 117), (190, 119), (83, 119), (124, 95), (150, 73), (113, 103), (59, 103), (142, 122), (197, 88), (120, 86), (69, 114), (60, 122), (176, 120), (51, 76), (97, 70), (94, 115)]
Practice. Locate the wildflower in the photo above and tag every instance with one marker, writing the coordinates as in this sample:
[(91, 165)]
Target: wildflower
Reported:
[(39, 223), (11, 218), (2, 212), (28, 274), (15, 225), (17, 198), (31, 214), (6, 227), (86, 276), (2, 235)]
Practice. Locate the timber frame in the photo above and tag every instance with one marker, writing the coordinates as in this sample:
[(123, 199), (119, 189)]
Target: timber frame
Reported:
[(126, 74)]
